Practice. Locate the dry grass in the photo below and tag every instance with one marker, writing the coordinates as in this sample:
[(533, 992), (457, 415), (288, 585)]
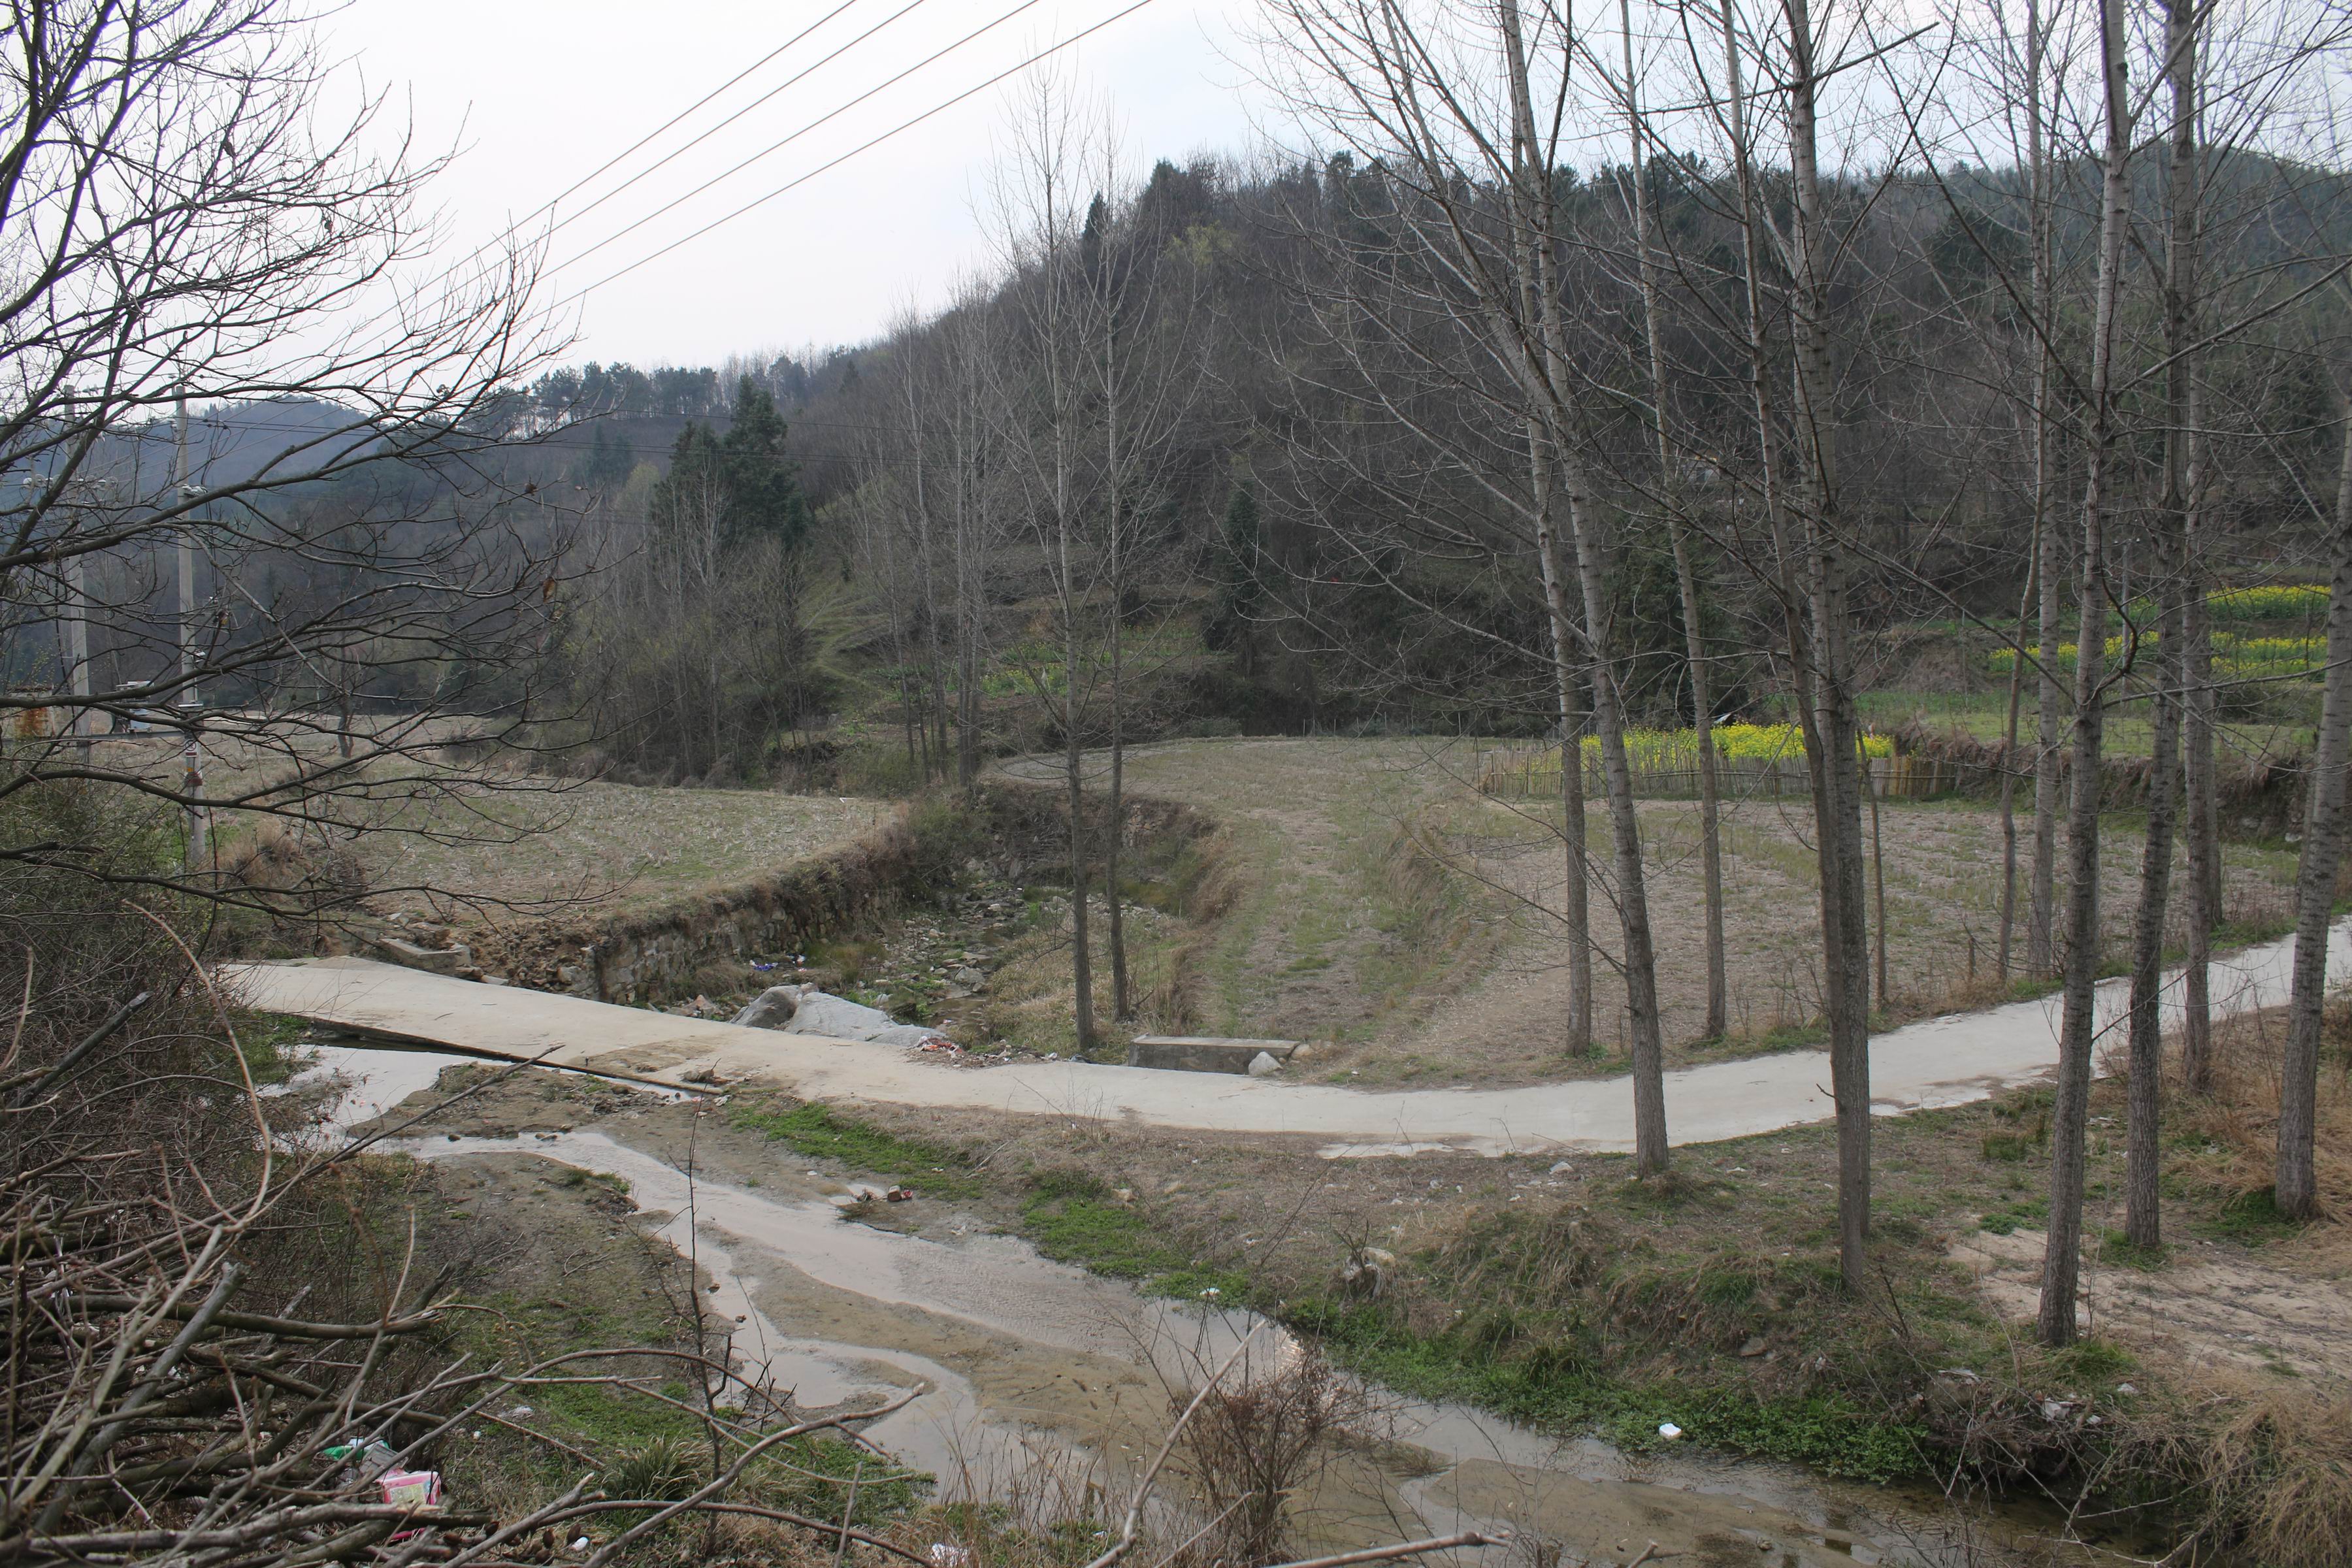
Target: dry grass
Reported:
[(2240, 1126), (604, 849)]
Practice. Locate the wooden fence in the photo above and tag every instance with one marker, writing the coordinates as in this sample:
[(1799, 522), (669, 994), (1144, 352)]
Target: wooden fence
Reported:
[(1524, 774)]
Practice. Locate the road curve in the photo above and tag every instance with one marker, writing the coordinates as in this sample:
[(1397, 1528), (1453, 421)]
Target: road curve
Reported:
[(1936, 1062)]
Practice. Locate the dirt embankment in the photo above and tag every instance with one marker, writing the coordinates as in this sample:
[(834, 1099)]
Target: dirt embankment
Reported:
[(706, 943)]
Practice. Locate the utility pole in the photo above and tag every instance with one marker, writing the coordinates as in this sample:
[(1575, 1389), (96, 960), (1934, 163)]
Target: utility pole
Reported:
[(191, 703), (79, 717)]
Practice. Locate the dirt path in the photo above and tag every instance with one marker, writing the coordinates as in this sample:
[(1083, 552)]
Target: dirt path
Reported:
[(2209, 1306), (1938, 1062)]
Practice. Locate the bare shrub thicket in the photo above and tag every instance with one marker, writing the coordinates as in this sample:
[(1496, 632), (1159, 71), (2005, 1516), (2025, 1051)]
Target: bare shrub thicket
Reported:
[(1259, 1439), (220, 1331)]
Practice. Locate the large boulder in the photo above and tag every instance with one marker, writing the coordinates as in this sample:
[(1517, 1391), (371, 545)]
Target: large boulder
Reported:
[(837, 1018), (770, 1009)]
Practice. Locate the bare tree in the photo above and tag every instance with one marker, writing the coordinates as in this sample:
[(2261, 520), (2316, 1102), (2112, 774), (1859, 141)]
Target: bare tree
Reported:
[(2297, 1189), (1145, 347), (1443, 103), (1679, 539), (1040, 199), (186, 223), (2176, 671), (2062, 1256)]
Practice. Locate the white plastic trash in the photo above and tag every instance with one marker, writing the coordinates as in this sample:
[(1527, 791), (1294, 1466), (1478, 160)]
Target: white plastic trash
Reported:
[(1669, 1431)]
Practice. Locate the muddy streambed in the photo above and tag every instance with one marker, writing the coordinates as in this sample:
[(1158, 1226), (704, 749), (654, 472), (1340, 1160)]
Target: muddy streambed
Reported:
[(1027, 1366)]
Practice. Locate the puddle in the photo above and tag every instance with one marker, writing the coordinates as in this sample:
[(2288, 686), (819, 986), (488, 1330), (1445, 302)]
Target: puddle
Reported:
[(371, 1080)]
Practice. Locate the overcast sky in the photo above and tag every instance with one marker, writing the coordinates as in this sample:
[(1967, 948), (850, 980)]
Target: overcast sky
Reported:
[(536, 93)]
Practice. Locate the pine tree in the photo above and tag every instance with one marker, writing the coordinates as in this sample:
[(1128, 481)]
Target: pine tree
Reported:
[(763, 488), (1240, 590)]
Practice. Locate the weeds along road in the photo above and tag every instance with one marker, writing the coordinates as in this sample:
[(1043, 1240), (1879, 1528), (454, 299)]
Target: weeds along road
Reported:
[(1937, 1062)]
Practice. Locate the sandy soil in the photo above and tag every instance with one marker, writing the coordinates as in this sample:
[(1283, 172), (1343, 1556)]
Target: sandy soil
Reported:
[(2210, 1305)]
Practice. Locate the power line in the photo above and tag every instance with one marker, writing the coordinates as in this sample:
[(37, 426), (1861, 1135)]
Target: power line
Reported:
[(549, 205), (875, 142), (723, 124), (557, 199), (777, 146)]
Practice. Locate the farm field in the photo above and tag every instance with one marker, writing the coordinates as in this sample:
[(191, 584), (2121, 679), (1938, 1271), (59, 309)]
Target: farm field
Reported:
[(1389, 911), (604, 849), (1984, 716)]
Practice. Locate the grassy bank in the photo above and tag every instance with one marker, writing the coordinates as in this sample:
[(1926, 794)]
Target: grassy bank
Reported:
[(1566, 1296)]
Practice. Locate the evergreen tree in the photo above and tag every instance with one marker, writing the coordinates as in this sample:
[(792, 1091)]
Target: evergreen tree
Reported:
[(764, 500), (1240, 589), (756, 485), (608, 463)]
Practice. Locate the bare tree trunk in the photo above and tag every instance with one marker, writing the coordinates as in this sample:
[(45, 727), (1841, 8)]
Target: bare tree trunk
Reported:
[(2062, 1257), (2142, 1206), (968, 590), (1878, 888), (1760, 389), (2184, 502), (1589, 557), (2142, 1200), (2315, 878), (1122, 1004), (2041, 923), (1646, 1045), (1082, 978), (2009, 758), (1837, 803), (1685, 578), (934, 717), (1576, 917), (1578, 914), (2202, 826), (1114, 828)]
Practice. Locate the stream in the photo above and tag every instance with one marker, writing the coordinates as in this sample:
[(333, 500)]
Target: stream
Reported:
[(1029, 1365)]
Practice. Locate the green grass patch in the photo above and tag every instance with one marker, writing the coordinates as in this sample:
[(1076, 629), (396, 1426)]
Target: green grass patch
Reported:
[(2252, 1219), (1074, 1218), (2119, 1249), (824, 1133), (1550, 1376), (267, 1041), (2025, 1212)]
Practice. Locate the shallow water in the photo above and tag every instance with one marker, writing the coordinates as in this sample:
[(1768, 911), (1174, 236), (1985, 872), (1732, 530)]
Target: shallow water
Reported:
[(1017, 1354)]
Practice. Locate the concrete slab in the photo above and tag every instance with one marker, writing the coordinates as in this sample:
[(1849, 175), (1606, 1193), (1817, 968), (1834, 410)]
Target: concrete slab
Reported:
[(1937, 1062), (1205, 1053)]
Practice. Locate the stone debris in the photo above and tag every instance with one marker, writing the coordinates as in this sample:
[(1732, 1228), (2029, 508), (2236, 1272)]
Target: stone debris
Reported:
[(913, 1037), (800, 1010)]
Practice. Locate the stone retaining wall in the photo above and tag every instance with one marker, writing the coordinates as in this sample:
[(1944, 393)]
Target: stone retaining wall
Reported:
[(658, 954)]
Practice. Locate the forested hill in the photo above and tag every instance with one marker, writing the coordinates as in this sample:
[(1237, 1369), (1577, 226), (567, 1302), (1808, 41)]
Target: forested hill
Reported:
[(1253, 408)]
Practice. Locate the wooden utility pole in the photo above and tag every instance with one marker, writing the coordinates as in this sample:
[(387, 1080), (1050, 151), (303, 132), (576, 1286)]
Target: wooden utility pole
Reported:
[(191, 703)]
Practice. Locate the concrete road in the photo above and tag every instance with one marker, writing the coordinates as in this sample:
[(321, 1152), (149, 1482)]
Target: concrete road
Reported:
[(1937, 1062)]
